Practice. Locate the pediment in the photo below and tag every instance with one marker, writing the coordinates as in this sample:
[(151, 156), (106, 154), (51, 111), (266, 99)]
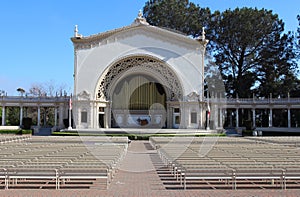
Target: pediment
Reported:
[(193, 96), (86, 42), (84, 95)]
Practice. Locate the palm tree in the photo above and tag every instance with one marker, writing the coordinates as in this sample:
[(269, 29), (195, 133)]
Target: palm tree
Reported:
[(21, 91)]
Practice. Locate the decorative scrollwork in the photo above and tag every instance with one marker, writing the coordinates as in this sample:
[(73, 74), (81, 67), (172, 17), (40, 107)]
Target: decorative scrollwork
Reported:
[(159, 68)]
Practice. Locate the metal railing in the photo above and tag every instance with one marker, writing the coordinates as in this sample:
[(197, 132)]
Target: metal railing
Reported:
[(254, 101), (221, 101)]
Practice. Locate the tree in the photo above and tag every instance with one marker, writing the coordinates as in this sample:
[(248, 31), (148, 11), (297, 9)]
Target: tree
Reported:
[(180, 15), (12, 116), (49, 88), (251, 50), (277, 75), (296, 83), (298, 37), (187, 18), (21, 91), (248, 45), (2, 93)]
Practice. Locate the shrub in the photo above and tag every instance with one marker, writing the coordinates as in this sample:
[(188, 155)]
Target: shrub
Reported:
[(19, 132)]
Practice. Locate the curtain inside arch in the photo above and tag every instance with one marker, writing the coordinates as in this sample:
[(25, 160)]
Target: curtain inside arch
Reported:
[(138, 92)]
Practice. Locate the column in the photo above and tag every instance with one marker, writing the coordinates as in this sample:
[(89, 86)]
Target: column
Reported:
[(61, 115), (271, 118), (201, 117), (172, 121), (221, 117), (55, 116), (108, 114), (21, 115), (289, 118), (3, 115), (253, 118), (169, 116), (39, 116), (183, 117), (230, 118), (237, 117), (215, 113), (95, 119)]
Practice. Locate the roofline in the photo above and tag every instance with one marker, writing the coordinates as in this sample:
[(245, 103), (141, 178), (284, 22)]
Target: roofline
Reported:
[(102, 36)]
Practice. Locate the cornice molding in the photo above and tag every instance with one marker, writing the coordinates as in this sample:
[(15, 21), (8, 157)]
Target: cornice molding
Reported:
[(112, 36)]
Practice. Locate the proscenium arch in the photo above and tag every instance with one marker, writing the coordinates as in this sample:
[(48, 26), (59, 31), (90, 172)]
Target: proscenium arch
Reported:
[(143, 64)]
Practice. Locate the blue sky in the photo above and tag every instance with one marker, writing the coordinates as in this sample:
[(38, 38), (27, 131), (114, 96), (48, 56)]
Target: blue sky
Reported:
[(35, 35)]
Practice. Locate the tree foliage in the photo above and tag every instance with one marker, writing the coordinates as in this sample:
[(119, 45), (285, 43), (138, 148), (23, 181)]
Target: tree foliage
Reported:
[(180, 15), (12, 116), (253, 54), (49, 88), (298, 38), (298, 29), (248, 45)]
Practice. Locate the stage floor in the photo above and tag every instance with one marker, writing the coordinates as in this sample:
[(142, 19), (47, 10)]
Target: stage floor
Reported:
[(143, 131)]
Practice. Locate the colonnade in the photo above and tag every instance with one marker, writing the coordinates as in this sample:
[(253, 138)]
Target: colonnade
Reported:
[(284, 112), (235, 113), (59, 104), (279, 112)]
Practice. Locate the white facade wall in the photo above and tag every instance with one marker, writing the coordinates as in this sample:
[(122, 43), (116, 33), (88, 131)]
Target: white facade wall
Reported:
[(91, 63), (94, 55)]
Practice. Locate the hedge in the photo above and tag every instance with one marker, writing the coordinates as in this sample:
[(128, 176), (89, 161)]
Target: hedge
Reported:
[(19, 132)]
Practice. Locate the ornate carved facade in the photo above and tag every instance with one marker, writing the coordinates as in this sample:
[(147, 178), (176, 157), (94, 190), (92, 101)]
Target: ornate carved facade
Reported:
[(142, 64)]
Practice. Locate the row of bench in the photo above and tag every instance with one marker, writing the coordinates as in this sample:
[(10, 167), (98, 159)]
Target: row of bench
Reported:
[(13, 138), (230, 160), (61, 159), (60, 176)]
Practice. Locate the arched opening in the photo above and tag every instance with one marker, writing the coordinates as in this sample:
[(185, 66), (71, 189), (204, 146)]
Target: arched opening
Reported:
[(139, 101), (139, 91)]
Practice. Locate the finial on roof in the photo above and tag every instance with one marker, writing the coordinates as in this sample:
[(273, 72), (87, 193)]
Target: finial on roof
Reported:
[(201, 38), (140, 15), (203, 33), (76, 34), (140, 19)]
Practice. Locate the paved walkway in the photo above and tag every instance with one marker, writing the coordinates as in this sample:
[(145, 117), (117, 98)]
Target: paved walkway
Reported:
[(138, 176)]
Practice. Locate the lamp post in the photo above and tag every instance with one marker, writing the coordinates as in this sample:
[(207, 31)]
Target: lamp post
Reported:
[(203, 41), (207, 112)]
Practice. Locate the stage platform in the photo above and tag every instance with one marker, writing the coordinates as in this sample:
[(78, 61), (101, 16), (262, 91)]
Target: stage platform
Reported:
[(140, 131)]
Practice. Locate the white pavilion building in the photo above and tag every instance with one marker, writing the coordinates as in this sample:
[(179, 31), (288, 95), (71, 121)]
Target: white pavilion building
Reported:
[(138, 76)]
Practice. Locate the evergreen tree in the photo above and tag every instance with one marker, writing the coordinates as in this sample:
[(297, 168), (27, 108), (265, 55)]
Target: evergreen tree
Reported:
[(179, 15), (278, 69), (298, 38), (251, 51), (248, 45)]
